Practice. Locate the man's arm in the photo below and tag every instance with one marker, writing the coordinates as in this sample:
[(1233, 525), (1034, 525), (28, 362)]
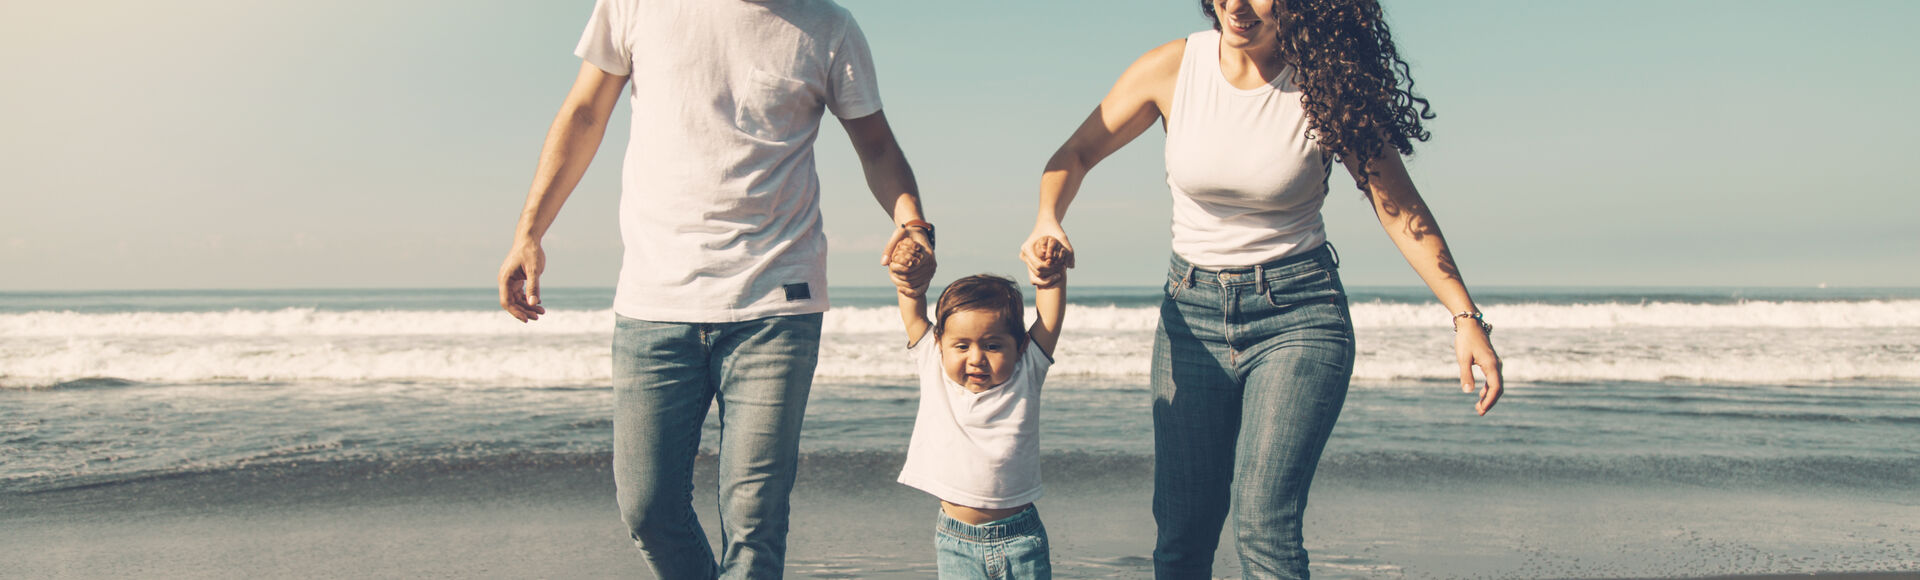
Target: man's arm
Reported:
[(891, 180), (571, 143)]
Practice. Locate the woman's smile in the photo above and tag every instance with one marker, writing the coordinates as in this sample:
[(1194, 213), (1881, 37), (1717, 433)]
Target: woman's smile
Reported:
[(1240, 24)]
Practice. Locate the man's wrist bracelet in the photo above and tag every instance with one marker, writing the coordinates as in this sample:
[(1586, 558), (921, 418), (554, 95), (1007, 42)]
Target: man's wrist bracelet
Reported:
[(924, 227)]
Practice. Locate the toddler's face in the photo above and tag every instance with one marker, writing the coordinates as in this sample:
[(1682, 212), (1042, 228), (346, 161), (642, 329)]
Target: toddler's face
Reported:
[(976, 351)]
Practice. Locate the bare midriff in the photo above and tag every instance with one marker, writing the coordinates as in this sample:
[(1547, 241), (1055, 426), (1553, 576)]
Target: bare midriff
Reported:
[(976, 516)]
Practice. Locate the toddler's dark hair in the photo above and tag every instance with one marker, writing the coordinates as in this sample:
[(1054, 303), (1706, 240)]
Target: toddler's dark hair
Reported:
[(988, 293)]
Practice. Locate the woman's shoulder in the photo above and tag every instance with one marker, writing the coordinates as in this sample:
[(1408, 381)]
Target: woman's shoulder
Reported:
[(1175, 49), (1164, 56), (1158, 65)]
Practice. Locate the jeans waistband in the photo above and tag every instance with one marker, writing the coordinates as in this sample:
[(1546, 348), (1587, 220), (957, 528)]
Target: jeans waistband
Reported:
[(1027, 522), (1323, 257)]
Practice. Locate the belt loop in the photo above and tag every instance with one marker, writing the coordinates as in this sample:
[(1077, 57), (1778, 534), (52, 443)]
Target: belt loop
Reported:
[(1333, 254), (1187, 280), (1260, 273)]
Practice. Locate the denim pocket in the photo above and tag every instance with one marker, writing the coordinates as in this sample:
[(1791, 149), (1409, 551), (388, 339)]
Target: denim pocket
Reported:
[(1173, 288), (1301, 288), (1305, 290), (1028, 556), (1282, 283)]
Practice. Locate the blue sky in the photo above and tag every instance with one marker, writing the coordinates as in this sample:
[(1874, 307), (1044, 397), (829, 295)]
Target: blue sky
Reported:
[(230, 144)]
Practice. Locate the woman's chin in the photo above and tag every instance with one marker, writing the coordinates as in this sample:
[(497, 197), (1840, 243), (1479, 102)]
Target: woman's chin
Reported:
[(1240, 41)]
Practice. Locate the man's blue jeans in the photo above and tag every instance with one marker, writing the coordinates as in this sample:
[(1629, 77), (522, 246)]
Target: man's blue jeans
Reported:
[(1250, 369), (665, 375)]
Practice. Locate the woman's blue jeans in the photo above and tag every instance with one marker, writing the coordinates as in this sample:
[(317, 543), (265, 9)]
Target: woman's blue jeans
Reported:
[(1250, 368), (665, 375)]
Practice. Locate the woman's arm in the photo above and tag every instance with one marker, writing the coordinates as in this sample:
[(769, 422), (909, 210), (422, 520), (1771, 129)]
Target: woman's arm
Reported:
[(1411, 226), (1142, 95)]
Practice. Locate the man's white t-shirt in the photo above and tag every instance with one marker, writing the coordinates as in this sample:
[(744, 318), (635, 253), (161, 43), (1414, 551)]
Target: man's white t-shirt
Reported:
[(719, 204), (976, 449)]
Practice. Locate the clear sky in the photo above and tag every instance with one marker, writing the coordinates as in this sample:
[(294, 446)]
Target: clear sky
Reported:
[(239, 144)]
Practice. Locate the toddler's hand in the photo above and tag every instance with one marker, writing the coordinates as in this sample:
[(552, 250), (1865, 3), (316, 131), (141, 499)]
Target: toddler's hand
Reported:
[(906, 257), (1054, 258)]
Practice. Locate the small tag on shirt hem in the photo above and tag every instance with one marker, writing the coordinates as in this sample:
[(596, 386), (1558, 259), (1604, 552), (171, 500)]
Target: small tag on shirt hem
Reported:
[(798, 292)]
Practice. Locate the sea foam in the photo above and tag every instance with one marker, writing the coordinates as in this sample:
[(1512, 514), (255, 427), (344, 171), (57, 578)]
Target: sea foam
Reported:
[(312, 322), (1747, 342)]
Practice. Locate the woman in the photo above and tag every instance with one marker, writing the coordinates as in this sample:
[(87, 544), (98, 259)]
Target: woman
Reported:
[(1255, 344)]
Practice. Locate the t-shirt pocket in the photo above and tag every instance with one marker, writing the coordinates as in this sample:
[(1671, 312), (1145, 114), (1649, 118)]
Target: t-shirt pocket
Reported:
[(772, 107)]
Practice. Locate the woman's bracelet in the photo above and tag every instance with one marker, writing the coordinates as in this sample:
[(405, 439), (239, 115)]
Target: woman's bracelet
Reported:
[(1485, 326)]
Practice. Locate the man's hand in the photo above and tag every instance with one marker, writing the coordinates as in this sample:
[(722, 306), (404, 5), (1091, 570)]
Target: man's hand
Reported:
[(520, 281), (909, 260)]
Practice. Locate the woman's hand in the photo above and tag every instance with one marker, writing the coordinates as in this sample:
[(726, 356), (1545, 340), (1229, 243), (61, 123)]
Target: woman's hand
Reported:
[(1054, 258), (1047, 263), (1473, 347)]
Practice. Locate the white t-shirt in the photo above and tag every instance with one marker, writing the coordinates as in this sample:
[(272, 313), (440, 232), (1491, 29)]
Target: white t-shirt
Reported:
[(1247, 183), (720, 205), (976, 449)]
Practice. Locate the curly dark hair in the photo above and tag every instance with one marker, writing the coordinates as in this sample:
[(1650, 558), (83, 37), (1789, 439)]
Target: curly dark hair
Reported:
[(1350, 77)]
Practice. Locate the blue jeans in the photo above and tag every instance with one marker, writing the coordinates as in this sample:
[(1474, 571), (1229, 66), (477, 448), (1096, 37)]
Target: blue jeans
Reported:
[(1250, 368), (665, 375), (1007, 548)]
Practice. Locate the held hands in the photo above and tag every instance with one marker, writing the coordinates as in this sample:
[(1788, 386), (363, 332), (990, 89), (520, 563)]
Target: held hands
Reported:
[(1473, 347), (1054, 259), (1048, 255), (909, 261), (520, 281)]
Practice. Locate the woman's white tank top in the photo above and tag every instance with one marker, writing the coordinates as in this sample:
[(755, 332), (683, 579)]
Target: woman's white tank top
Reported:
[(1247, 183)]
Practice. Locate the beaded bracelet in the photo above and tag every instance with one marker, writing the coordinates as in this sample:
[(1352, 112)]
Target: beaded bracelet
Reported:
[(1485, 326)]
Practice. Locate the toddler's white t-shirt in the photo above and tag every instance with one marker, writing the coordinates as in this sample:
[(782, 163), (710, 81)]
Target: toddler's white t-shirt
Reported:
[(976, 449), (719, 204)]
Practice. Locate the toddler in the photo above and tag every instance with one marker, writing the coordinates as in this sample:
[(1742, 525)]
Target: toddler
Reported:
[(976, 440)]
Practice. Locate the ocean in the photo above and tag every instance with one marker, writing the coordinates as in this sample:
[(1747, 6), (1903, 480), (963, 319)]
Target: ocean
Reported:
[(1810, 392)]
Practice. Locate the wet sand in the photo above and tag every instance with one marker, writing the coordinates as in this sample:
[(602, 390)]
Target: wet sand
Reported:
[(554, 518)]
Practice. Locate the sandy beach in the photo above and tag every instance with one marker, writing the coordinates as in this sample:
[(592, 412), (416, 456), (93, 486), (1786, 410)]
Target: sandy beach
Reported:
[(554, 518)]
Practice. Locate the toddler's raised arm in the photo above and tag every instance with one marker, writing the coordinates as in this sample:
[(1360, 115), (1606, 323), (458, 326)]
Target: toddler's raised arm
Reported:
[(1050, 301), (913, 301)]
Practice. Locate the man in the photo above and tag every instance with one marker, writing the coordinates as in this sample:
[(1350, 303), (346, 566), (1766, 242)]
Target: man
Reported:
[(724, 277)]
